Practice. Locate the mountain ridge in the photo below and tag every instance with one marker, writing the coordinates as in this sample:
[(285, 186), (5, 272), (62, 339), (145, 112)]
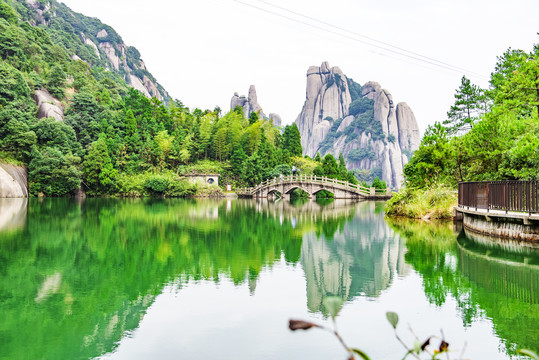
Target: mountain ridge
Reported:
[(88, 39)]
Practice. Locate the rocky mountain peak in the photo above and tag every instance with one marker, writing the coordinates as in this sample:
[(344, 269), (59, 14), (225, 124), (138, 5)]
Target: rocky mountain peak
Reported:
[(361, 122), (250, 104)]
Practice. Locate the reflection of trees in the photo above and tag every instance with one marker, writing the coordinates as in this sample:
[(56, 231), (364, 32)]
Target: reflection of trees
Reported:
[(81, 274), (485, 281), (349, 258)]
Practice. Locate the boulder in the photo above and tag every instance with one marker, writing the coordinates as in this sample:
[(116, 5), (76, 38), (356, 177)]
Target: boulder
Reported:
[(13, 181), (102, 34), (48, 106)]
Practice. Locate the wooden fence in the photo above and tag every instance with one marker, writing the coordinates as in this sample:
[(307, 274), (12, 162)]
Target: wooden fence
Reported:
[(519, 196)]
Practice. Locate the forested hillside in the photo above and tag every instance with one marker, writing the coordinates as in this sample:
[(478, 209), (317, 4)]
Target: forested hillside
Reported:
[(489, 134), (78, 126)]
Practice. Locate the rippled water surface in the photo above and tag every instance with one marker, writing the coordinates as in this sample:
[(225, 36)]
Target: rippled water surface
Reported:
[(201, 279)]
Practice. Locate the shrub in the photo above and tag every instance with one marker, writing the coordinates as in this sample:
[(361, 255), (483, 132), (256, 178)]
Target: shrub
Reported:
[(157, 185), (436, 202)]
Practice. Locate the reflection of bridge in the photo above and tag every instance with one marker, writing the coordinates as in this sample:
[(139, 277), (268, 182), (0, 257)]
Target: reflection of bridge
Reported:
[(312, 185)]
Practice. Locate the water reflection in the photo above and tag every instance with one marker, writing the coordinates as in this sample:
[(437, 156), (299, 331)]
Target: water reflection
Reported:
[(12, 214), (358, 257), (77, 276), (486, 280)]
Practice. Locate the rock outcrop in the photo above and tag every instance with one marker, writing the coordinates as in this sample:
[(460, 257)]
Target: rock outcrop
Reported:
[(277, 121), (327, 99), (250, 104), (111, 53), (13, 181), (48, 106), (369, 130)]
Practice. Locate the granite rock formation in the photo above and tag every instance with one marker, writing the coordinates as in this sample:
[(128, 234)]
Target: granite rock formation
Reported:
[(13, 181), (250, 104), (48, 106), (99, 46), (363, 124)]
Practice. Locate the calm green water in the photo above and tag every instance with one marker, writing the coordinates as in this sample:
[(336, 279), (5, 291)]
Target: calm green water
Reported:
[(187, 279)]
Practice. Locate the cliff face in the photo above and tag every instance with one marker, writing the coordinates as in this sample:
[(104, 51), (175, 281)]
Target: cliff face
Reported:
[(361, 122), (95, 43), (13, 181), (250, 104)]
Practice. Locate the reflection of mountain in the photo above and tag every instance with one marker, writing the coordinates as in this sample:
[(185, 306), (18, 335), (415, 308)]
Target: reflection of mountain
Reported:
[(12, 214), (490, 282), (79, 275), (358, 257)]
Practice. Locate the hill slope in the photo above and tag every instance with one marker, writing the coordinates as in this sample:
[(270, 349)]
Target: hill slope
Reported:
[(88, 39)]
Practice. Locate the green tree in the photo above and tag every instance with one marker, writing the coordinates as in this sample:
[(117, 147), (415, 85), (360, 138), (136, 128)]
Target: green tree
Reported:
[(97, 168), (519, 90), (253, 117), (52, 133), (430, 162), (292, 140), (57, 81), (343, 172), (330, 166), (252, 171), (7, 13), (470, 104), (52, 173), (379, 184), (237, 160)]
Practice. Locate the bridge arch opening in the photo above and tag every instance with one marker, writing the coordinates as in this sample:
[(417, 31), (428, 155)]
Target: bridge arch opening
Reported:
[(275, 193), (324, 194), (298, 193)]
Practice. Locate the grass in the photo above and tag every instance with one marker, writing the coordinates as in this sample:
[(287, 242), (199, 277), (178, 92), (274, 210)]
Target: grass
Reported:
[(435, 202)]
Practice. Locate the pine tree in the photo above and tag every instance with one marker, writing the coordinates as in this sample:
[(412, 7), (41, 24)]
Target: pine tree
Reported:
[(292, 140), (470, 104)]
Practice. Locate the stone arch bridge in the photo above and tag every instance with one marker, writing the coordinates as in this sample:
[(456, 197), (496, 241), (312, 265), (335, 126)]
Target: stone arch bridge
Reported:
[(312, 185)]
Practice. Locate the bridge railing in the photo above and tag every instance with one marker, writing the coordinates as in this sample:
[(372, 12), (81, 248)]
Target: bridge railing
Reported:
[(519, 196), (322, 180)]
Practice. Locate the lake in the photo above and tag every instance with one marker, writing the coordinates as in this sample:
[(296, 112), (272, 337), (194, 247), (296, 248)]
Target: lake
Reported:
[(204, 279)]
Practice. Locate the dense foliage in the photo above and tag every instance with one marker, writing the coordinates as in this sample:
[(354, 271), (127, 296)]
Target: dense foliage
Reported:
[(490, 134), (114, 140)]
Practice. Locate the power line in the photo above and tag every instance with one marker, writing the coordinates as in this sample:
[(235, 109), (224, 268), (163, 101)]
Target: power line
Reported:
[(386, 46)]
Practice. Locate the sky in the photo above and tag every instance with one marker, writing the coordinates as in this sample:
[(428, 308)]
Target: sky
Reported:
[(203, 51)]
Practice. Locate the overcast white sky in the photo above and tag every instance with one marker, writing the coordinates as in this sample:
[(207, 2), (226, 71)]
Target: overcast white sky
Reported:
[(202, 51)]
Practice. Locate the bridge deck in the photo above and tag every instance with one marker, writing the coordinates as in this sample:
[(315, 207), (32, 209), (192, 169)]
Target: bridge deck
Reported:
[(313, 184)]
